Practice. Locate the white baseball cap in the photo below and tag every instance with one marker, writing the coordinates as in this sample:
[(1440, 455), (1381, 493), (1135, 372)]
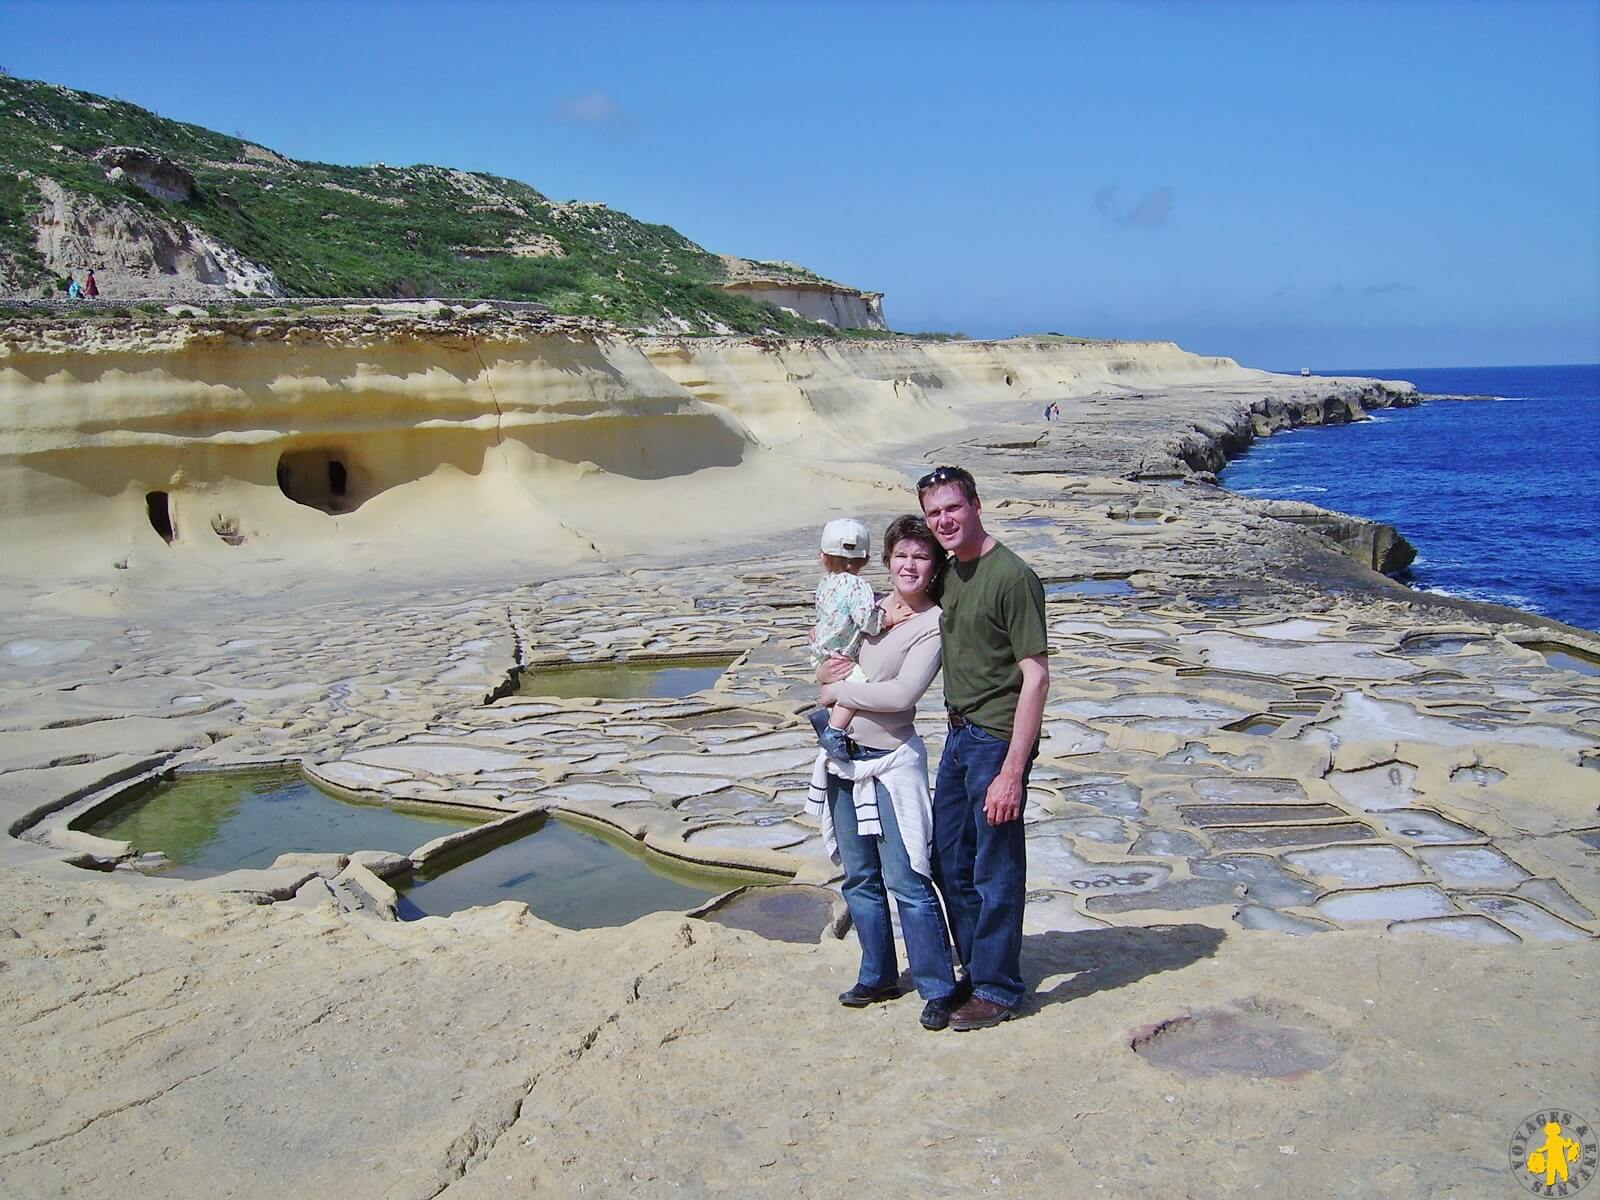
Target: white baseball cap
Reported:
[(846, 537)]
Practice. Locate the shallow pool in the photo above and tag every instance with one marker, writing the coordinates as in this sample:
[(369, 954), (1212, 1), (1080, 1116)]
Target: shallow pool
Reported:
[(1565, 659), (647, 679), (229, 820), (1090, 587), (568, 876)]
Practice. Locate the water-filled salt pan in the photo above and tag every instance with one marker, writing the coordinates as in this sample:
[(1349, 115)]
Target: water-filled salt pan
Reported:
[(1551, 895), (1153, 705), (1362, 719), (1471, 866), (1225, 789), (1358, 866), (1420, 825), (1406, 903), (1065, 737), (684, 785), (1113, 633), (1468, 928), (1265, 881), (1298, 629), (1263, 837), (1256, 916), (1528, 920), (1314, 661), (754, 766)]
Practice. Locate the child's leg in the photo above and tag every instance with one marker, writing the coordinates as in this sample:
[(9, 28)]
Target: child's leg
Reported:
[(843, 714), (833, 740), (831, 724)]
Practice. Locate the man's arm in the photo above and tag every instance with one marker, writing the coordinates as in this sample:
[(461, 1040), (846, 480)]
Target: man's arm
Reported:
[(1004, 800)]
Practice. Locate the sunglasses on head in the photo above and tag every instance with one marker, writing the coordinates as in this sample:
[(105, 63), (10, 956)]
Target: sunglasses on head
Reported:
[(945, 475)]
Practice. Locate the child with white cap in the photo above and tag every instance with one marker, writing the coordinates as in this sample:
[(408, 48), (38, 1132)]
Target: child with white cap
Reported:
[(846, 612)]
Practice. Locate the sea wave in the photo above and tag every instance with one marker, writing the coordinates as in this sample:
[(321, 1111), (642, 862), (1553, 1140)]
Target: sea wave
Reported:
[(1288, 489), (1488, 596)]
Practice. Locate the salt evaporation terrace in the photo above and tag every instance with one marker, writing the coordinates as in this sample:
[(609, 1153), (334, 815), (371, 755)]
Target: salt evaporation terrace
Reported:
[(1298, 774)]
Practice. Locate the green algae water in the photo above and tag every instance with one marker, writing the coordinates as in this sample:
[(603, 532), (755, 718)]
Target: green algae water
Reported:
[(230, 820), (653, 679), (568, 876)]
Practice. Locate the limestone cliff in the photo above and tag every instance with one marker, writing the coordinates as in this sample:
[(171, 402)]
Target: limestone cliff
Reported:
[(841, 307), (302, 439)]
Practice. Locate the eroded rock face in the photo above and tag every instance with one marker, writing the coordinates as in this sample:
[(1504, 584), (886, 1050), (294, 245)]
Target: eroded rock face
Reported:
[(841, 307), (1381, 547), (153, 173), (134, 253)]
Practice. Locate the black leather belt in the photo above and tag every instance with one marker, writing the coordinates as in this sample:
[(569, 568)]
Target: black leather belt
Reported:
[(957, 721)]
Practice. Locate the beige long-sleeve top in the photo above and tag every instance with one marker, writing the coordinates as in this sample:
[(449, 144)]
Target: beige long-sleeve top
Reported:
[(899, 664)]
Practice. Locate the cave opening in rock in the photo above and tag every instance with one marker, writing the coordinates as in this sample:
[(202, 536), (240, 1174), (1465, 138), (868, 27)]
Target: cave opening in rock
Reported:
[(160, 513), (316, 478)]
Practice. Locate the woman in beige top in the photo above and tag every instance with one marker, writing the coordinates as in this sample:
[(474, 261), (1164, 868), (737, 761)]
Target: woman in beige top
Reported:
[(882, 833)]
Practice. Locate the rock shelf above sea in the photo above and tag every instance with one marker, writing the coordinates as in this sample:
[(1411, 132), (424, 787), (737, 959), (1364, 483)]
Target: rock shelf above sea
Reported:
[(1279, 797)]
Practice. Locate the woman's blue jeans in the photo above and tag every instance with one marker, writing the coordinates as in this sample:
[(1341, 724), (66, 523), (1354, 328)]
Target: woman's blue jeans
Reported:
[(874, 869)]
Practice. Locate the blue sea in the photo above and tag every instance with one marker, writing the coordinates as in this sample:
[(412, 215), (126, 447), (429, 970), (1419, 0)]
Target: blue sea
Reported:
[(1499, 496)]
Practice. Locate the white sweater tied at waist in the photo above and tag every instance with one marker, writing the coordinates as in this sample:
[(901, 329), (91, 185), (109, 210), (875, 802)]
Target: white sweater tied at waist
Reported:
[(904, 775)]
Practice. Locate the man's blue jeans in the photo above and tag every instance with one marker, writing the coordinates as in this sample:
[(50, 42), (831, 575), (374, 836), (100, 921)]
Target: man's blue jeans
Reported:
[(981, 869), (870, 865)]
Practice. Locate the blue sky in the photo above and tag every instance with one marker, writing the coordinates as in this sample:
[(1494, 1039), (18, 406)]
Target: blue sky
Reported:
[(1328, 185)]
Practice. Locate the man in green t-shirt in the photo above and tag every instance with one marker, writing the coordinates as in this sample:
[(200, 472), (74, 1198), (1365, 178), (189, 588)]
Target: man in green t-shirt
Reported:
[(995, 679)]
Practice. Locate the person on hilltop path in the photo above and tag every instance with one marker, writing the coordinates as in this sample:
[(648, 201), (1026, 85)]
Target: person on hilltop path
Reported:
[(90, 288), (996, 675), (74, 292)]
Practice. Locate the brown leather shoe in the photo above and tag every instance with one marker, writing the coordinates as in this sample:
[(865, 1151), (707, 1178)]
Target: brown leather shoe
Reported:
[(978, 1013)]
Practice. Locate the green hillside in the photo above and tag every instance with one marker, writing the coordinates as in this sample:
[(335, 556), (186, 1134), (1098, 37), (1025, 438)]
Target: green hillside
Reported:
[(378, 231)]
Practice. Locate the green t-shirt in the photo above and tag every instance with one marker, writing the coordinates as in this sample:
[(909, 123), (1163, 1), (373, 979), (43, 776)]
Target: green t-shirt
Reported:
[(993, 619)]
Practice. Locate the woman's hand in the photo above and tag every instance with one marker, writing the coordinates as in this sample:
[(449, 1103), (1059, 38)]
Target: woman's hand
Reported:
[(835, 668), (827, 697)]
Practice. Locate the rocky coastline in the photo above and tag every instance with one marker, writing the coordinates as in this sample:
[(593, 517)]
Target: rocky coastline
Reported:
[(1309, 853)]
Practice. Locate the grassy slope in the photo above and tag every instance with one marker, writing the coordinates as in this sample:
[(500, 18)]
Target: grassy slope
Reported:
[(403, 232)]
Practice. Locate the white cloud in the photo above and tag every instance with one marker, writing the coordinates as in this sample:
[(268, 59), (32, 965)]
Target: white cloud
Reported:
[(594, 109)]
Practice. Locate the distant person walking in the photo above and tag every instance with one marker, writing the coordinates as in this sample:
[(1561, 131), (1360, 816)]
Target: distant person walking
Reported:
[(74, 292), (995, 679), (90, 288)]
